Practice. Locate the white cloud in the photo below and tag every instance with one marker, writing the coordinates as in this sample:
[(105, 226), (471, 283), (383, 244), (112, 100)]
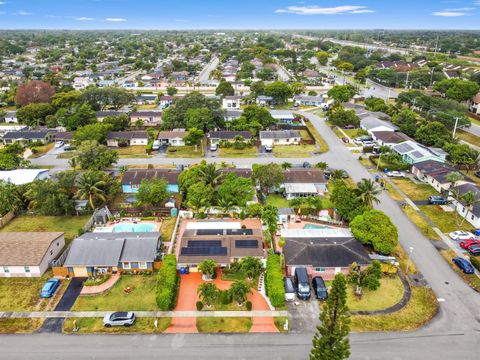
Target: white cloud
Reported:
[(83, 18), (449, 13), (115, 19), (317, 10), (23, 13), (181, 20)]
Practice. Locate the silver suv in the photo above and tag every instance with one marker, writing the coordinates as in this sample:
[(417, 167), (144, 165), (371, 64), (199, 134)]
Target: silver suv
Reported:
[(119, 319)]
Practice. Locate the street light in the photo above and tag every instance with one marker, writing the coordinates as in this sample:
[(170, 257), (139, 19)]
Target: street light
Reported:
[(409, 258)]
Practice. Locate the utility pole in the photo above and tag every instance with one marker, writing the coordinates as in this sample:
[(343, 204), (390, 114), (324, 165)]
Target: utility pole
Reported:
[(436, 47), (455, 128), (406, 81)]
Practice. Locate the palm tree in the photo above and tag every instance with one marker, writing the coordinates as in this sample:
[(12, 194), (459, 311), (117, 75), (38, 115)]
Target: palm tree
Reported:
[(208, 268), (210, 174), (367, 192), (251, 266), (91, 189), (453, 177), (321, 165), (207, 292), (225, 205), (239, 290), (286, 165), (336, 174)]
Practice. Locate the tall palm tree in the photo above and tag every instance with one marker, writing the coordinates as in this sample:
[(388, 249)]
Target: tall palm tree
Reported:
[(207, 292), (321, 165), (468, 200), (454, 177), (225, 205), (367, 192), (210, 174), (286, 165), (92, 189), (240, 290)]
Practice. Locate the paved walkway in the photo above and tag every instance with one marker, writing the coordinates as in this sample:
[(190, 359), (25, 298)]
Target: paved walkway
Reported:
[(98, 289)]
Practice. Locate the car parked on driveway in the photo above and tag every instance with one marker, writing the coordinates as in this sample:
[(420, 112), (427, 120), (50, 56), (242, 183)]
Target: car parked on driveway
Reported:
[(319, 288), (395, 173), (49, 288), (268, 148), (58, 144), (119, 319), (461, 235), (474, 250), (302, 284), (289, 289), (467, 243), (464, 265), (437, 200)]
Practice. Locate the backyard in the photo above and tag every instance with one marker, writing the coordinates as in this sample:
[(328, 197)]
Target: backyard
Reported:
[(168, 224), (294, 151), (277, 200), (141, 298), (70, 225), (415, 191)]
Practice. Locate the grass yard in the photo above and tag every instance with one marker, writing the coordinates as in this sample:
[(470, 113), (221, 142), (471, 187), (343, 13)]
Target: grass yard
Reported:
[(421, 223), (185, 151), (142, 297), (390, 293), (224, 325), (475, 121), (471, 279), (168, 224), (445, 221), (277, 200), (415, 191), (280, 323), (392, 192), (20, 326), (66, 155), (71, 225), (402, 258), (95, 325), (293, 151), (354, 133), (235, 153), (41, 150), (129, 151), (468, 137), (323, 146)]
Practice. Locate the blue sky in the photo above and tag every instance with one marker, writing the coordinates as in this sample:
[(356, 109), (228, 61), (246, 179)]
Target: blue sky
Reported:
[(239, 14)]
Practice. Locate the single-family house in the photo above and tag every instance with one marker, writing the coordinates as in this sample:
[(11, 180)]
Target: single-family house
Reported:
[(132, 179), (148, 117), (27, 136), (127, 138), (111, 252), (474, 104), (24, 176), (172, 138), (299, 182), (280, 137), (65, 136), (232, 102), (389, 138), (323, 252), (233, 114), (166, 101), (470, 213), (100, 115), (226, 135), (412, 152), (80, 83), (145, 99), (283, 116), (263, 100), (435, 173), (306, 100), (28, 254), (222, 241), (373, 124), (179, 75)]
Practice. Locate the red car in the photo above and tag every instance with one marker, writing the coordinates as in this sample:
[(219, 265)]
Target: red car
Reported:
[(467, 243)]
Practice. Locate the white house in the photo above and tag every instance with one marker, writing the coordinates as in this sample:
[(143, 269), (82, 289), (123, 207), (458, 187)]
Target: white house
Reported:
[(137, 138), (148, 117), (28, 254), (166, 101), (304, 182), (232, 102), (412, 152), (263, 100), (435, 174), (389, 138), (172, 138), (306, 100), (80, 83), (474, 104), (373, 124), (24, 176), (280, 137), (472, 213)]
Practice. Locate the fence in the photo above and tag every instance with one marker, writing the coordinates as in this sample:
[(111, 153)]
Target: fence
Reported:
[(5, 219)]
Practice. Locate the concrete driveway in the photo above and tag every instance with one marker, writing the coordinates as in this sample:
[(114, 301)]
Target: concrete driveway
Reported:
[(304, 315)]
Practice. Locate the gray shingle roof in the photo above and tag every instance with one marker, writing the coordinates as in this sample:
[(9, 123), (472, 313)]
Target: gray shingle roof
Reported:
[(280, 134)]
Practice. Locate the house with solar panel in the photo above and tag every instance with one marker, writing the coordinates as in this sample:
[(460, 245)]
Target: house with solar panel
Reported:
[(132, 179), (413, 152), (222, 241)]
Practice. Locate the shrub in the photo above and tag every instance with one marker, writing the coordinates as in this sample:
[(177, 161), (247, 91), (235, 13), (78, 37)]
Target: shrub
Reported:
[(167, 283), (274, 280), (225, 297), (199, 305), (248, 305), (475, 262)]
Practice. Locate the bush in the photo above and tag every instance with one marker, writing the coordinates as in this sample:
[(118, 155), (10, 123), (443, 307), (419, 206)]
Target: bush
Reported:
[(475, 262), (248, 305), (199, 305), (225, 297), (167, 283), (274, 280)]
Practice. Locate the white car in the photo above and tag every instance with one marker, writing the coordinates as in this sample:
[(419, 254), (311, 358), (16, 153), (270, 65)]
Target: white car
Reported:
[(395, 174), (156, 145), (59, 144), (119, 319), (213, 147), (461, 235), (268, 148)]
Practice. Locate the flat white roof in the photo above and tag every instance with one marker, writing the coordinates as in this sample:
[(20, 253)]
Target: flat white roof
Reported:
[(21, 176), (206, 225), (300, 188)]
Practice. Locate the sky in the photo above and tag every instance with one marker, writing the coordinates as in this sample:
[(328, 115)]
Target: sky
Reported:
[(239, 14)]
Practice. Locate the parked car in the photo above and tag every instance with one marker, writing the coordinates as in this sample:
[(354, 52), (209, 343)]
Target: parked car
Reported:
[(467, 243), (156, 145), (464, 265), (477, 173), (302, 284), (306, 165), (474, 250), (67, 147), (268, 148), (289, 289), (437, 200), (213, 147), (319, 288), (59, 144), (345, 140), (395, 174), (49, 288), (461, 235), (119, 319)]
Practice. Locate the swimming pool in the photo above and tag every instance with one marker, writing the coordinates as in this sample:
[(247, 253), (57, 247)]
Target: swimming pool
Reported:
[(131, 227), (313, 226)]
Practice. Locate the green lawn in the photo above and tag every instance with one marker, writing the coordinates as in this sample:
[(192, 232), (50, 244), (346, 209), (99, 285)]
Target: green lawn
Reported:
[(20, 326), (224, 325), (390, 293), (41, 150), (131, 150), (445, 221), (394, 194), (413, 190), (421, 223), (185, 151), (66, 155), (71, 225), (293, 151), (280, 323), (234, 153), (277, 200), (168, 224), (142, 297), (95, 325), (323, 146), (354, 133)]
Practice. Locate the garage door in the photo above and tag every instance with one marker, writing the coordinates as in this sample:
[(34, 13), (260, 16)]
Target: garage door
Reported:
[(80, 271)]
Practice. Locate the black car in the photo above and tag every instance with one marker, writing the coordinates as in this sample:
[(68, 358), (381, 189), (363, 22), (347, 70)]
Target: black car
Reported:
[(306, 165), (474, 250), (319, 288), (477, 173)]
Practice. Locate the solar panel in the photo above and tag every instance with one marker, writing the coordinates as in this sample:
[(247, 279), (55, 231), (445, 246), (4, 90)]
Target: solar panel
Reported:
[(417, 154), (203, 251), (403, 148), (240, 232), (246, 244), (204, 243), (210, 232)]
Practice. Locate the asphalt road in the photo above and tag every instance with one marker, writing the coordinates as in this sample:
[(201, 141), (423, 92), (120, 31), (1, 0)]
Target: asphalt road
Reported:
[(205, 73), (453, 334), (474, 129)]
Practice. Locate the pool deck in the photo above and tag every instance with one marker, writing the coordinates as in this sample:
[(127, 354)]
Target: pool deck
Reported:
[(109, 227)]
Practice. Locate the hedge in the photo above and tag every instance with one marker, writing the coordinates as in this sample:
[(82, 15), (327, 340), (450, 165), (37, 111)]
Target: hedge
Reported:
[(274, 280), (167, 283)]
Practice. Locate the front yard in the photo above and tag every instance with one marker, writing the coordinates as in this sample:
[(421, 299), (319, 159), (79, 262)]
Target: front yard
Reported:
[(413, 190), (71, 225), (293, 151), (390, 293), (19, 326), (141, 298), (421, 223), (445, 221), (224, 325), (132, 152), (471, 279), (95, 325), (185, 151), (248, 152), (468, 137)]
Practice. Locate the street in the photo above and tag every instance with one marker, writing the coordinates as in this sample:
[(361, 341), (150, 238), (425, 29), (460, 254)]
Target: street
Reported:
[(205, 73)]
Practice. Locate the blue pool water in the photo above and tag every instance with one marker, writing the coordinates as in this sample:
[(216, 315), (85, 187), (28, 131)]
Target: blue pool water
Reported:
[(313, 226), (134, 227)]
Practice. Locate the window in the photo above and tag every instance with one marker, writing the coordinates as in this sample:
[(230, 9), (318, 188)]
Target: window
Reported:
[(126, 265), (320, 269), (27, 269), (6, 269), (142, 265)]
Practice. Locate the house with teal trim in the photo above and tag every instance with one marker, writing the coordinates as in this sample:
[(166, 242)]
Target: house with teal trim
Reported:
[(109, 253), (132, 179), (413, 152)]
